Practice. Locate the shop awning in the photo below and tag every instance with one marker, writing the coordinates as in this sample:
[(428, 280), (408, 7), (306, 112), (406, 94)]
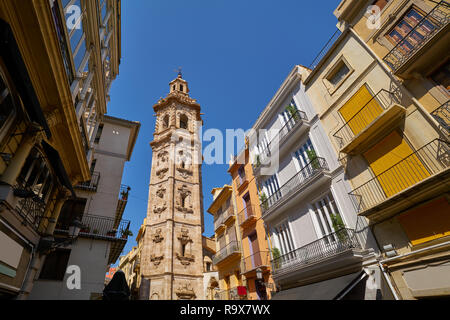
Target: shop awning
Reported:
[(325, 290), (56, 162), (12, 58)]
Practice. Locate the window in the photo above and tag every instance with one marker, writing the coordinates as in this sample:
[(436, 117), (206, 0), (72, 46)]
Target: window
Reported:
[(181, 87), (403, 30), (338, 74), (305, 155), (183, 121), (325, 212), (284, 238), (6, 100), (273, 188), (208, 267), (290, 115), (55, 265), (241, 173), (99, 133), (71, 210), (166, 122), (36, 175)]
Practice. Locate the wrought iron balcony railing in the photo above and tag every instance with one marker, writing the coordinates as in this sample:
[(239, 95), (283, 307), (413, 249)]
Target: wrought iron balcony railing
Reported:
[(92, 184), (260, 259), (225, 252), (325, 49), (316, 166), (231, 294), (99, 227), (218, 221), (365, 116), (247, 214), (228, 213), (323, 248), (296, 119), (442, 116), (427, 161), (124, 191), (426, 29), (32, 210)]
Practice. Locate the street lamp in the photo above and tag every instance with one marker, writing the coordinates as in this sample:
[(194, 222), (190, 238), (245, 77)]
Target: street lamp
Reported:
[(48, 243), (260, 284)]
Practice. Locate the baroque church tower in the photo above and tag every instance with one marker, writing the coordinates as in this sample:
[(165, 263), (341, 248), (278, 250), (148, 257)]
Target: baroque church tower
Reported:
[(172, 258)]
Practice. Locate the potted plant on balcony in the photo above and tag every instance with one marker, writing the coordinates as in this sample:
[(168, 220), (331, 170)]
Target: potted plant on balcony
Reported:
[(339, 227), (314, 160), (126, 233), (276, 254), (293, 112), (85, 229), (263, 200), (111, 233), (257, 161)]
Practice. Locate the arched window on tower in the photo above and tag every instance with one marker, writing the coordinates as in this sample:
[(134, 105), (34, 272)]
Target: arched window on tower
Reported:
[(184, 121), (166, 122)]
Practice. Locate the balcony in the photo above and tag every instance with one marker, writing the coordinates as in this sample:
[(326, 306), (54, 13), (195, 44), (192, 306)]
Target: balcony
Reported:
[(334, 251), (122, 202), (228, 253), (102, 228), (260, 259), (90, 185), (228, 215), (370, 122), (219, 225), (305, 181), (417, 177), (425, 43), (295, 126), (248, 216), (30, 208), (231, 294), (442, 116)]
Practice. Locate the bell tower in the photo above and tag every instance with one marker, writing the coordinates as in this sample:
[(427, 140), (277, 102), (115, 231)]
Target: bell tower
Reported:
[(172, 257)]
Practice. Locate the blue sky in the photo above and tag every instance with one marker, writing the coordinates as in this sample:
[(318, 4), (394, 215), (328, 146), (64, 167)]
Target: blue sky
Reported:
[(234, 54)]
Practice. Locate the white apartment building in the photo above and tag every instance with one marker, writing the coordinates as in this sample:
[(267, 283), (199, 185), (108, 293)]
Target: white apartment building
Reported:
[(99, 206), (316, 253)]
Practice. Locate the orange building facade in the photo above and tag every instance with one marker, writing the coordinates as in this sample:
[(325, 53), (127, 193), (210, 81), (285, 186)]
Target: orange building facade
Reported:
[(256, 255)]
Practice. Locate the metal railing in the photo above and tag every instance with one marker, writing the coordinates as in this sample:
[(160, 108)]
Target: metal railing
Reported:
[(31, 210), (228, 213), (99, 227), (326, 247), (314, 167), (218, 221), (325, 49), (296, 119), (429, 160), (225, 252), (365, 116), (442, 116), (434, 22), (92, 184), (256, 260), (124, 191), (231, 294), (247, 213)]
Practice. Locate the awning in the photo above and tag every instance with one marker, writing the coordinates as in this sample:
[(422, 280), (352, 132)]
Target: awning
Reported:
[(12, 57), (55, 161), (325, 290)]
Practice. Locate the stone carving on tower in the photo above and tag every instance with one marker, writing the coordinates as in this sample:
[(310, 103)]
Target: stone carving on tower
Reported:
[(174, 224)]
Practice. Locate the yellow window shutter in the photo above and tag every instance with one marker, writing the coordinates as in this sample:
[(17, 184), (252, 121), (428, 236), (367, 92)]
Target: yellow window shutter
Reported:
[(356, 118), (396, 167), (427, 222)]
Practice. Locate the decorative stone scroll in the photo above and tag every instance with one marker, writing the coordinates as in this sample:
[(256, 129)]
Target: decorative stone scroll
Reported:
[(185, 291)]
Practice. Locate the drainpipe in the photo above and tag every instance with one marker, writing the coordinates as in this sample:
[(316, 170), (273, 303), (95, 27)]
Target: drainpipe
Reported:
[(389, 282), (419, 106)]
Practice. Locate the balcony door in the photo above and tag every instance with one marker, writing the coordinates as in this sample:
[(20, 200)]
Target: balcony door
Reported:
[(360, 110), (273, 189), (304, 156), (248, 210), (403, 31), (394, 164), (288, 119), (254, 251), (324, 210)]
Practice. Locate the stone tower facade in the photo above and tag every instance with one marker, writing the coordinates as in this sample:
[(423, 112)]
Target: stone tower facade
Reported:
[(172, 258)]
